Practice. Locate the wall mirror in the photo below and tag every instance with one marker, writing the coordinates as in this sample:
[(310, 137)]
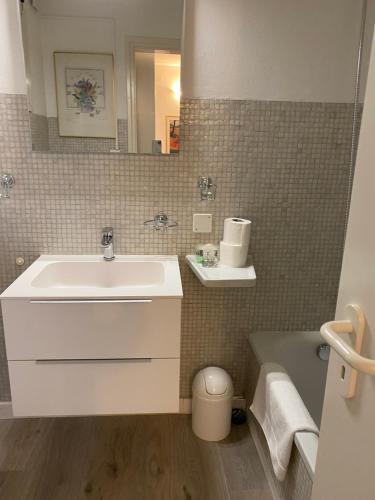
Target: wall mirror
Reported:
[(103, 75)]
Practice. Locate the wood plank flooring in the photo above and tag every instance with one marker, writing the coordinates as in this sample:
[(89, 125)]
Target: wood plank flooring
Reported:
[(125, 458)]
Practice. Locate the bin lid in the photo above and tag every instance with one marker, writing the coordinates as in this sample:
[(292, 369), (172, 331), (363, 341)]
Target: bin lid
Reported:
[(213, 380)]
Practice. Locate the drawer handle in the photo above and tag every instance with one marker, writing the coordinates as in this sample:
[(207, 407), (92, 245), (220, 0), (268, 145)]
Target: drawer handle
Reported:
[(119, 301), (87, 361)]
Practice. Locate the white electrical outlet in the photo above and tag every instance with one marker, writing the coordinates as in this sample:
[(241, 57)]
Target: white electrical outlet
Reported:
[(202, 223)]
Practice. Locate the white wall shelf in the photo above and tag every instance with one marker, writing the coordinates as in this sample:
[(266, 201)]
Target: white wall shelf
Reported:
[(223, 276)]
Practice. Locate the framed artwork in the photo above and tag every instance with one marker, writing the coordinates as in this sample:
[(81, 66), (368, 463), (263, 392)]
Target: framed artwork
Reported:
[(85, 94), (173, 134)]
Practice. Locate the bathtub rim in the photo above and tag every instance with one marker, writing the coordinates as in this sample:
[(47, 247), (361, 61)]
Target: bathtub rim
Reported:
[(306, 442)]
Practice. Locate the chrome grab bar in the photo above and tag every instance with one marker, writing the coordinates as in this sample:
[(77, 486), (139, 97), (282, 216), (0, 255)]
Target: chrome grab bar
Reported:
[(331, 332)]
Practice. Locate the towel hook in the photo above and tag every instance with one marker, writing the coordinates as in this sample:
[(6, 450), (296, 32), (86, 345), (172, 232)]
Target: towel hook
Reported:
[(7, 181)]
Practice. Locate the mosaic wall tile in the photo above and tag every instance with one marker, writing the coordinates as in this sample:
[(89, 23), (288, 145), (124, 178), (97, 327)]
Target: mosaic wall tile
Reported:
[(45, 137), (284, 165), (58, 144)]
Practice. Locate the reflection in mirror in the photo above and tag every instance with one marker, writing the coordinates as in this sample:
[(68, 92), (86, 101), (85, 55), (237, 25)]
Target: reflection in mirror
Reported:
[(103, 75), (154, 96)]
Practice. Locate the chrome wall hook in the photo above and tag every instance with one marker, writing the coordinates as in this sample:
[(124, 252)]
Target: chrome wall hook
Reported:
[(160, 222), (7, 181), (207, 188)]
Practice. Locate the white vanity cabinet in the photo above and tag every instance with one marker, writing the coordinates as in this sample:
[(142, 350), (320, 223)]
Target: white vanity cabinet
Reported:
[(94, 355)]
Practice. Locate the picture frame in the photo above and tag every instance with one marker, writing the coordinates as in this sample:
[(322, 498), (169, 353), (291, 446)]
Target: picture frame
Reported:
[(85, 94), (172, 134)]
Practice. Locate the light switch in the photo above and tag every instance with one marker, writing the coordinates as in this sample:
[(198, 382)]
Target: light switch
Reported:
[(202, 223)]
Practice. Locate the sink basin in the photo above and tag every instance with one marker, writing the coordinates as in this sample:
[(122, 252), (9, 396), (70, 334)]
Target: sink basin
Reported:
[(100, 274), (89, 276)]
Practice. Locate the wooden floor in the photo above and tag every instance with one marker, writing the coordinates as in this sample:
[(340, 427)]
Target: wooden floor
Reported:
[(125, 458)]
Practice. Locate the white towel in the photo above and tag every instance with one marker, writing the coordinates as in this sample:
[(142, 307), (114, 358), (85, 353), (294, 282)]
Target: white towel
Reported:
[(280, 411)]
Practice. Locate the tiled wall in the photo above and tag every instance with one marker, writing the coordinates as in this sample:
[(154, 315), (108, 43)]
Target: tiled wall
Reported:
[(59, 144), (45, 137), (284, 165)]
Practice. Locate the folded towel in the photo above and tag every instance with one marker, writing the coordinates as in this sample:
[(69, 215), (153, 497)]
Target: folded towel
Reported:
[(280, 411)]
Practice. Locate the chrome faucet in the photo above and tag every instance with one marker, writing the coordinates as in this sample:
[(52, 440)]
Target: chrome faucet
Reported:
[(107, 243)]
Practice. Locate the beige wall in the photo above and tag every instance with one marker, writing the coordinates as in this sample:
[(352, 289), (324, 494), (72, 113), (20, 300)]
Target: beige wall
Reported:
[(12, 70), (297, 50)]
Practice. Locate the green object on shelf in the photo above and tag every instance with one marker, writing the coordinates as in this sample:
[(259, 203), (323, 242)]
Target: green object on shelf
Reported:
[(199, 257), (199, 254)]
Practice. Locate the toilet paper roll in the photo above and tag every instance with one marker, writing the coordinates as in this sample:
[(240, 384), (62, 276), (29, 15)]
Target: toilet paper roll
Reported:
[(237, 231), (233, 255)]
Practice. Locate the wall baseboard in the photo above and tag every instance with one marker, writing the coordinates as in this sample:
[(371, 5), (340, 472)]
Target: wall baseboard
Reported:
[(6, 410), (185, 404)]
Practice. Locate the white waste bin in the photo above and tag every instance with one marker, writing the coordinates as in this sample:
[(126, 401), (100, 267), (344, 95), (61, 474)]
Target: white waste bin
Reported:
[(212, 404)]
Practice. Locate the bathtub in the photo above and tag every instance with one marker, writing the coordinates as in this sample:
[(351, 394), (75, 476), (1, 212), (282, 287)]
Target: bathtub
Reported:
[(297, 353)]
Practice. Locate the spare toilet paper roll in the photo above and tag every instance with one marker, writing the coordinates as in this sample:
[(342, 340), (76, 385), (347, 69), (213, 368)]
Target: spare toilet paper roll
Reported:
[(233, 255), (237, 231)]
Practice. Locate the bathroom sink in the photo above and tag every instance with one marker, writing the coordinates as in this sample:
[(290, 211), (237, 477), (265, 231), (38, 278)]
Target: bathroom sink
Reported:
[(86, 336), (72, 276)]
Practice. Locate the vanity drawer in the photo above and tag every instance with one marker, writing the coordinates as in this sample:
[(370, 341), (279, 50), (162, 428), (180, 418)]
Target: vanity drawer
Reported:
[(51, 388), (92, 329)]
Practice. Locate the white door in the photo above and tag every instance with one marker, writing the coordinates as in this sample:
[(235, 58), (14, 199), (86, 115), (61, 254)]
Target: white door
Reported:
[(346, 455)]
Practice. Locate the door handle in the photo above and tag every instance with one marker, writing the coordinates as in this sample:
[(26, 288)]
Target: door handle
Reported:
[(331, 332)]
